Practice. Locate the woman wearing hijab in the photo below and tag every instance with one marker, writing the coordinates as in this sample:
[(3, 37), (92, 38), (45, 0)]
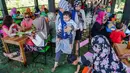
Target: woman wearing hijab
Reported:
[(105, 59), (62, 45), (13, 12), (99, 24), (78, 15), (42, 28), (40, 34)]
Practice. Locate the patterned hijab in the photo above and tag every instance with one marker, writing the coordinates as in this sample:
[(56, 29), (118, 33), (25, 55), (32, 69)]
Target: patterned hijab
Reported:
[(64, 4), (77, 2), (105, 60)]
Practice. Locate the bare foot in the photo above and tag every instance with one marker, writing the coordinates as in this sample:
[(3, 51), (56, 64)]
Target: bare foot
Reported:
[(53, 69)]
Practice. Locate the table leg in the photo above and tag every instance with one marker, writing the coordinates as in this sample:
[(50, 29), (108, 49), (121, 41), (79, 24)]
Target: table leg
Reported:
[(5, 47), (22, 53)]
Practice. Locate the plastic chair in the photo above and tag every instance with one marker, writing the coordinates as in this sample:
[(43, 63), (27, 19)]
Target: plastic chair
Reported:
[(43, 51)]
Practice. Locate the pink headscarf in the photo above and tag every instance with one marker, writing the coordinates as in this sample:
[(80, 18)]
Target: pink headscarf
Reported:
[(13, 11), (100, 16)]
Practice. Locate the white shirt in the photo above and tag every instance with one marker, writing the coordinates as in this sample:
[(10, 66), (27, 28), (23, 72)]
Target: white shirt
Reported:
[(38, 41)]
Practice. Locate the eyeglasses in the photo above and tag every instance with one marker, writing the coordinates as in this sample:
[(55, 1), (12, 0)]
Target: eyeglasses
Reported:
[(27, 17)]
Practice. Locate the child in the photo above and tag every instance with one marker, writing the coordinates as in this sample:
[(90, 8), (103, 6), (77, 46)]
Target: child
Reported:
[(65, 43), (85, 60), (117, 35), (68, 28)]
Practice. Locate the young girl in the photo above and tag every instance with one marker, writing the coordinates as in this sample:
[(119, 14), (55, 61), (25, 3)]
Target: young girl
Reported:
[(9, 27), (78, 15), (27, 22)]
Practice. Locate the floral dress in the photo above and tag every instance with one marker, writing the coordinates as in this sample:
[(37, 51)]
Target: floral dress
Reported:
[(105, 60)]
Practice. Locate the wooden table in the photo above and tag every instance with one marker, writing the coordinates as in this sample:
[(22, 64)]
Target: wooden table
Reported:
[(121, 49), (20, 41)]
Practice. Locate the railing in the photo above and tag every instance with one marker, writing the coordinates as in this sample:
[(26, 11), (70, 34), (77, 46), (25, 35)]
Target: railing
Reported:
[(22, 9)]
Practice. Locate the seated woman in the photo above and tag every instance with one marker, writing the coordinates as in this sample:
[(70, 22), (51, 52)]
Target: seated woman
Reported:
[(13, 13), (9, 28), (41, 25), (98, 27), (28, 10), (105, 59), (36, 39), (27, 22)]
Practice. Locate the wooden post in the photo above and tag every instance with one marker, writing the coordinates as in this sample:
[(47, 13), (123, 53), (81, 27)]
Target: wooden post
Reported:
[(3, 7), (51, 5), (36, 3), (126, 12), (113, 6)]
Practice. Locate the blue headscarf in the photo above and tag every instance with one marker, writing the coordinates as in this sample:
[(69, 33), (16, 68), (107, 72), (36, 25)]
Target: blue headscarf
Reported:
[(63, 23)]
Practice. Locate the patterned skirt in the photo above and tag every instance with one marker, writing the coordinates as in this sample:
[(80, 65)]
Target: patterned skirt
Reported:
[(32, 48)]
